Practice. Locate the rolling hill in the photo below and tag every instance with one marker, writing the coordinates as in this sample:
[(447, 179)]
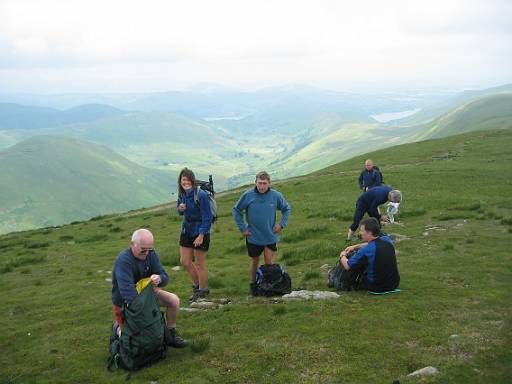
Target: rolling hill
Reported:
[(453, 313), (50, 180), (16, 116)]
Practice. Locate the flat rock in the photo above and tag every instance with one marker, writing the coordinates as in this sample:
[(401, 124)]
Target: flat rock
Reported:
[(310, 295), (325, 267), (426, 371), (176, 268), (205, 305), (186, 309)]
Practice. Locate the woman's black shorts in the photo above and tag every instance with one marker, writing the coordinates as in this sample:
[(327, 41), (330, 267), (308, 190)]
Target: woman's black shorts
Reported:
[(188, 242)]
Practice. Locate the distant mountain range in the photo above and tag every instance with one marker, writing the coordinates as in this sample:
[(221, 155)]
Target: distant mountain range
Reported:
[(15, 116), (64, 165)]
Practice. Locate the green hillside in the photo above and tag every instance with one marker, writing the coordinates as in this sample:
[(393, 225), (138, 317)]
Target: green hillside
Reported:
[(50, 180), (488, 112), (453, 312), (441, 107)]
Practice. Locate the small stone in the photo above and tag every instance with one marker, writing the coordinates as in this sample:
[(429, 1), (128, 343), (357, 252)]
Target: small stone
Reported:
[(109, 272), (223, 301), (109, 280), (454, 336), (425, 233), (325, 267), (426, 371), (176, 268)]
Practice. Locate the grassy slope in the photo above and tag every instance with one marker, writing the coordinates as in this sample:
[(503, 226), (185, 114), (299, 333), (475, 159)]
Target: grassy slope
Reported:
[(488, 112), (484, 113), (455, 279), (48, 180)]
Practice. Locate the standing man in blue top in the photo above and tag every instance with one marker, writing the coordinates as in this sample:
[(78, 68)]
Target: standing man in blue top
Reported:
[(376, 256), (193, 204), (261, 231), (369, 202), (138, 262), (370, 177)]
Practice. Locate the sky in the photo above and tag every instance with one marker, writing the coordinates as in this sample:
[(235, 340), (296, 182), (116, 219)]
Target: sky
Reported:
[(58, 46)]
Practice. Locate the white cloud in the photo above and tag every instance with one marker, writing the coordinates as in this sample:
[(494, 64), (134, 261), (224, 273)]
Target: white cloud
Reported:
[(124, 45)]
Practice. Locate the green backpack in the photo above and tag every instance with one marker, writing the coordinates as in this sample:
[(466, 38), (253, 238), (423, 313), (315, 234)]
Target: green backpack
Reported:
[(144, 335)]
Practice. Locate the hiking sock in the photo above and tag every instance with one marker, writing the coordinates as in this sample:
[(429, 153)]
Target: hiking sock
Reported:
[(350, 234)]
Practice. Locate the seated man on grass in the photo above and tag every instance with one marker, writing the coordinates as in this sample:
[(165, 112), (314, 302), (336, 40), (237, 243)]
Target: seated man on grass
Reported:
[(137, 262), (375, 258)]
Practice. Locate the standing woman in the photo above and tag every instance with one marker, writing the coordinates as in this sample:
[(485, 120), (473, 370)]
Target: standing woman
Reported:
[(194, 206)]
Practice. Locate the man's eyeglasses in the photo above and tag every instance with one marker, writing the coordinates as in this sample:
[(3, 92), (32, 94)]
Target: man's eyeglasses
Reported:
[(145, 250)]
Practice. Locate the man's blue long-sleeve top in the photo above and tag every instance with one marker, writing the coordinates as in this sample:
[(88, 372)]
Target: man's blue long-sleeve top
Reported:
[(370, 179), (196, 218), (370, 200), (128, 270), (260, 209)]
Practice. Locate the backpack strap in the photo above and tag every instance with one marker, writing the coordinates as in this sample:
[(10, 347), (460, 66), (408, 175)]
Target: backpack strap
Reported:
[(196, 196)]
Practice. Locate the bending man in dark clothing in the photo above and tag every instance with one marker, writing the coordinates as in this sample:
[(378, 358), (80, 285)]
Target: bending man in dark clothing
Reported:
[(138, 262), (369, 202), (376, 255)]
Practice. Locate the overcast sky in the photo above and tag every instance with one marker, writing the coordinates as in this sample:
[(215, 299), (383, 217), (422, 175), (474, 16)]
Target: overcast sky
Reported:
[(108, 45)]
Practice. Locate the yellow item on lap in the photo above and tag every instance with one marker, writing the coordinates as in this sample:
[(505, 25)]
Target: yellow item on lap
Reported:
[(142, 283)]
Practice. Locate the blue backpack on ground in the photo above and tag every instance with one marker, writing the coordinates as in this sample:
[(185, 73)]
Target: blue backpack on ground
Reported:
[(272, 280)]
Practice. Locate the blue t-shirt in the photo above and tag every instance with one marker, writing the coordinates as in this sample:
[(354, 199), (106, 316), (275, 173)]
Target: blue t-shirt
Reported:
[(128, 270), (260, 211)]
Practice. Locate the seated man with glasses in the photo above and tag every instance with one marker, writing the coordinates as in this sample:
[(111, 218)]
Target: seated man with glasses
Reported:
[(137, 262)]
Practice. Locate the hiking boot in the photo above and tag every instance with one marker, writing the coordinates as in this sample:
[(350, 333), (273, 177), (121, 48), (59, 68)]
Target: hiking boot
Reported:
[(175, 340), (199, 294), (253, 289)]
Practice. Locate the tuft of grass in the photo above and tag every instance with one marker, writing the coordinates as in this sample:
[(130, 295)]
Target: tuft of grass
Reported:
[(279, 310), (216, 282), (93, 238), (506, 221), (33, 245), (303, 233), (412, 212), (200, 345), (66, 237), (310, 275), (475, 206), (237, 249)]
